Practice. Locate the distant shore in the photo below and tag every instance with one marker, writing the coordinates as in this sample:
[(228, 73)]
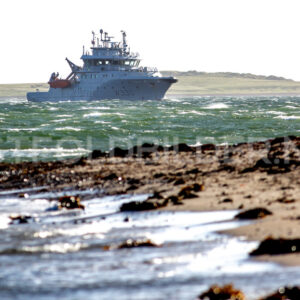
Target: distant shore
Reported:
[(168, 95), (231, 84), (263, 175), (197, 83)]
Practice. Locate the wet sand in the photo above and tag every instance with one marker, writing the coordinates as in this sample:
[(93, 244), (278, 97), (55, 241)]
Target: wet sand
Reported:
[(206, 178)]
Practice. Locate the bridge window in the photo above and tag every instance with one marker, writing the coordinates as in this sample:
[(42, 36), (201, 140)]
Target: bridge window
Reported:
[(101, 62)]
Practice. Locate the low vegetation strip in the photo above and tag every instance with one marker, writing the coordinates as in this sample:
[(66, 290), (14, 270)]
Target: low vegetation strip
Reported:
[(195, 83)]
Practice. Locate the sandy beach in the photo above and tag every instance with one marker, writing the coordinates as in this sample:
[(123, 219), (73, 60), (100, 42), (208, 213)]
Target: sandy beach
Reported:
[(263, 175), (144, 162)]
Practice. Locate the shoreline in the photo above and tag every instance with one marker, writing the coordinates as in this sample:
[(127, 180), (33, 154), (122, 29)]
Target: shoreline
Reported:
[(184, 178), (249, 95), (199, 95)]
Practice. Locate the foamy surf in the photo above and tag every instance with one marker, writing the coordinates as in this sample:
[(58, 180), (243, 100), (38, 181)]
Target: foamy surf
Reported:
[(65, 250), (216, 106), (288, 117)]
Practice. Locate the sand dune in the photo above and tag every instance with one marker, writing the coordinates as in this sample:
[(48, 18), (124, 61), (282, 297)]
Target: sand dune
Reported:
[(196, 83)]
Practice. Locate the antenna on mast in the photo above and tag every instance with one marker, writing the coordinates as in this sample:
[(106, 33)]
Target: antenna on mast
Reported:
[(93, 40), (124, 40), (101, 32)]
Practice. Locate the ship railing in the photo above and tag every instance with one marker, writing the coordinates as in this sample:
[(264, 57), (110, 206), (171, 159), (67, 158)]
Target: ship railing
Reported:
[(146, 69), (133, 55), (110, 54)]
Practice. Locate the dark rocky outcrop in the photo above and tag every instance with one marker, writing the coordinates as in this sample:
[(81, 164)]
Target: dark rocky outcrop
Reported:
[(187, 191), (255, 213), (70, 202), (277, 246), (20, 219), (144, 205), (131, 243), (283, 156), (226, 292), (284, 293)]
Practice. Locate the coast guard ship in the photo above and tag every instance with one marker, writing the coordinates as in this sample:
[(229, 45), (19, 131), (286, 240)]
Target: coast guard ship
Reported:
[(109, 71)]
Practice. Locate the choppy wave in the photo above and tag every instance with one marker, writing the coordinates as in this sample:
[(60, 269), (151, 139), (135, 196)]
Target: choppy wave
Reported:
[(68, 128), (41, 153), (82, 126), (93, 114), (216, 106), (288, 117)]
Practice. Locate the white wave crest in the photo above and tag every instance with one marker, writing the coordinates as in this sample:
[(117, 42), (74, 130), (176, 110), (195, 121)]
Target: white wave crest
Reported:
[(67, 128), (94, 114), (288, 117), (216, 106)]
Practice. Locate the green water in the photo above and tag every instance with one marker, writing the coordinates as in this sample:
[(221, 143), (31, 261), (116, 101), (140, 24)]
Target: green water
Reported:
[(46, 131)]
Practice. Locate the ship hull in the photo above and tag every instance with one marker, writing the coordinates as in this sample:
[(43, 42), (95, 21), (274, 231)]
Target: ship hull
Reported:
[(153, 88)]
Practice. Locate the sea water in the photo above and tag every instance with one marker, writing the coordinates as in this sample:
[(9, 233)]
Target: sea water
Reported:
[(47, 131), (63, 254)]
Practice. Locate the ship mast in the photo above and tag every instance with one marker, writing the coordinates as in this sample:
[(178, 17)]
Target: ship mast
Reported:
[(93, 40), (124, 41)]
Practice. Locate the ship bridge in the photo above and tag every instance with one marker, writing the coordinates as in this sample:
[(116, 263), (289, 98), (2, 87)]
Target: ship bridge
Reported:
[(109, 55)]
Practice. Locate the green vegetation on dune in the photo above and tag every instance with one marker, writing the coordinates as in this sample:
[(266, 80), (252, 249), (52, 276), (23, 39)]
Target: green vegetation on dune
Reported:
[(201, 83), (195, 83), (223, 74)]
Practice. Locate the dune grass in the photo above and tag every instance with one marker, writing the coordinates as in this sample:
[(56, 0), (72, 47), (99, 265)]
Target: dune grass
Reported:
[(210, 84)]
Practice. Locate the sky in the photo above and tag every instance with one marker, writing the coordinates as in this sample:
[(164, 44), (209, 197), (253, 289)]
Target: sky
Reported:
[(245, 36)]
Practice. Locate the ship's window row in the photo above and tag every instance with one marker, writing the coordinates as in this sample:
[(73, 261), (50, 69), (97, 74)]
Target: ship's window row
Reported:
[(96, 62), (91, 76)]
